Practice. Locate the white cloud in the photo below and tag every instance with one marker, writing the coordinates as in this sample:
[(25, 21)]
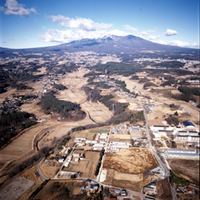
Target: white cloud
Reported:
[(130, 28), (182, 44), (170, 32), (12, 7), (77, 29), (60, 36), (179, 43), (80, 23), (154, 37), (144, 33), (118, 33)]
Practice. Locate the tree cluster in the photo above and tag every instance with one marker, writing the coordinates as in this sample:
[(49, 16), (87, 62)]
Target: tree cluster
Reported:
[(99, 163), (50, 103), (170, 64), (59, 86), (189, 91)]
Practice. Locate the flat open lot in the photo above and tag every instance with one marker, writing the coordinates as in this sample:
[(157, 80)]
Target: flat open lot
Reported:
[(132, 160), (15, 189), (73, 95), (98, 112), (85, 167), (109, 176), (127, 176), (49, 171), (7, 94), (91, 133), (187, 169), (35, 109), (86, 134), (91, 155), (120, 137), (42, 71)]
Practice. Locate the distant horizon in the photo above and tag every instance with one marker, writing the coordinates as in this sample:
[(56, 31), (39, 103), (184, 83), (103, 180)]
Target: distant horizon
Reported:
[(41, 23)]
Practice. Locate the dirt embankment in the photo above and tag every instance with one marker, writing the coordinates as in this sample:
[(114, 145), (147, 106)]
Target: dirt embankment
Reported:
[(163, 189)]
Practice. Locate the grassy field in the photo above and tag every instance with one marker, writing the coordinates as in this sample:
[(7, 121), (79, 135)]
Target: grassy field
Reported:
[(99, 131)]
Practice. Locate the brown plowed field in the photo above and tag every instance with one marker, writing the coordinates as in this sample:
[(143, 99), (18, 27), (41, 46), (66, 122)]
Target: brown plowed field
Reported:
[(22, 144), (187, 169), (132, 160), (85, 167)]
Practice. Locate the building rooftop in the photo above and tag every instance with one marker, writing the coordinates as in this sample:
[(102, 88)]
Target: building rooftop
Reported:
[(183, 150), (184, 154), (187, 123)]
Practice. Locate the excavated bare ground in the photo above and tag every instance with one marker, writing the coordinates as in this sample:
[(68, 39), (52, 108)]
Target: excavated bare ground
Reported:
[(132, 160)]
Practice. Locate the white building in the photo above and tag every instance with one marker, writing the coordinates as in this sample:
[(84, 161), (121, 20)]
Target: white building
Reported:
[(76, 154), (187, 138), (190, 133), (182, 153), (81, 144), (66, 164), (158, 127), (92, 142), (61, 160)]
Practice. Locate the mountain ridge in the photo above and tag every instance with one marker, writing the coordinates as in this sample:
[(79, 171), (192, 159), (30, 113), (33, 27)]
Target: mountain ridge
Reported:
[(109, 44)]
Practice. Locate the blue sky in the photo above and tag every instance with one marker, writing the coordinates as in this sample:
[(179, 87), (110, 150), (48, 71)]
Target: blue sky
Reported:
[(37, 23)]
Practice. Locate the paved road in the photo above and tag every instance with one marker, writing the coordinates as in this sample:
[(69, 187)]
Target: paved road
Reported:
[(162, 165), (40, 172)]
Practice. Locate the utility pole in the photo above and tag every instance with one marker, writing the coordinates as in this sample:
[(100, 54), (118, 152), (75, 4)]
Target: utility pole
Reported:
[(113, 107), (89, 96), (71, 129)]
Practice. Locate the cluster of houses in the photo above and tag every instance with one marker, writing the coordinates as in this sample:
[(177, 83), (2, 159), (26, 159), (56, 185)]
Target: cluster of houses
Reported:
[(98, 143), (149, 108), (12, 104), (139, 141), (48, 82), (126, 128), (157, 172), (185, 190), (186, 133), (150, 189), (65, 160)]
